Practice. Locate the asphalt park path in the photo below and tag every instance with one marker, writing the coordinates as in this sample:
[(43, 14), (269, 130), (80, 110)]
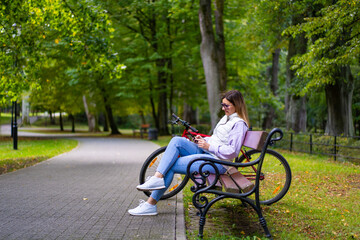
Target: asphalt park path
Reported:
[(85, 194)]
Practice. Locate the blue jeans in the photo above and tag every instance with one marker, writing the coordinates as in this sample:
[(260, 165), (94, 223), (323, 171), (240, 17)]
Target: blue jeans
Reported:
[(171, 163)]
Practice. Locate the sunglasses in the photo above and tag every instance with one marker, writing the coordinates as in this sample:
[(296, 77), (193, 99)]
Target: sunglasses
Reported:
[(225, 105)]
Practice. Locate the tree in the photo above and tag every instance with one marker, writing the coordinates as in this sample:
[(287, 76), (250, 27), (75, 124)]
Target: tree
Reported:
[(333, 35), (220, 41), (265, 34), (254, 56), (214, 68), (295, 105), (274, 76), (143, 19), (100, 68), (158, 42), (55, 94), (21, 27)]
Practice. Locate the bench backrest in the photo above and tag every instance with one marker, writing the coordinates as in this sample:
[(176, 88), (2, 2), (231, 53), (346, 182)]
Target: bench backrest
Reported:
[(255, 139)]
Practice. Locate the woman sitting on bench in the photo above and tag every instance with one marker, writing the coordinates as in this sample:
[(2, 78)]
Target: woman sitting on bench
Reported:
[(224, 144)]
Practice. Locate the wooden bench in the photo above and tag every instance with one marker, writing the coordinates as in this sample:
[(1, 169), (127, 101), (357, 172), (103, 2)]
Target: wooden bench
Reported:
[(232, 184), (142, 130)]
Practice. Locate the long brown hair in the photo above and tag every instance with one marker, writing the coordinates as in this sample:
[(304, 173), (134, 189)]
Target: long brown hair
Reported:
[(237, 99)]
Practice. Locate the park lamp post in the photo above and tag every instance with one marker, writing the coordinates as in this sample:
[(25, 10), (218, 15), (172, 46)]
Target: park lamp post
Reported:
[(14, 126)]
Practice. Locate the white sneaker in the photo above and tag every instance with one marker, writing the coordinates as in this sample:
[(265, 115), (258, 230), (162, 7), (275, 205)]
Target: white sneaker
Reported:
[(153, 183), (144, 209)]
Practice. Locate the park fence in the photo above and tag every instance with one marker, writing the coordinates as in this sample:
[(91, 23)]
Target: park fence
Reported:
[(337, 147)]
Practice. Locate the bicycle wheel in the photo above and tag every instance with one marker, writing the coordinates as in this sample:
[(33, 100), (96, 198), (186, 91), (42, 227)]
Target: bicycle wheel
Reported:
[(149, 168), (275, 176)]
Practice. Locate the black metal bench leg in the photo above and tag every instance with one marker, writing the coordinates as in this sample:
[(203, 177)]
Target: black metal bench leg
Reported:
[(201, 226), (264, 225), (262, 220)]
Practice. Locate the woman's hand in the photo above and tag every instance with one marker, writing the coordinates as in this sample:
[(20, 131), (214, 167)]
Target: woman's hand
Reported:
[(201, 142)]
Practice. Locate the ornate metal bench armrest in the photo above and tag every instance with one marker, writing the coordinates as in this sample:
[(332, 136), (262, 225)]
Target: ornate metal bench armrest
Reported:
[(199, 177), (273, 140), (269, 142)]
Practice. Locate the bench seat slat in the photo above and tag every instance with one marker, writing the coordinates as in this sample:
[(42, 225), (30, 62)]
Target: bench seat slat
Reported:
[(211, 179), (244, 184), (229, 184), (241, 181)]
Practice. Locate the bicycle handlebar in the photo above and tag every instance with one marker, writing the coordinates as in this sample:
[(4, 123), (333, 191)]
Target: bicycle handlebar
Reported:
[(184, 123)]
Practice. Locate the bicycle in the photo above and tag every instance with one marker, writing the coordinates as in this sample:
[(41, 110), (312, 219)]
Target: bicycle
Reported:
[(275, 178)]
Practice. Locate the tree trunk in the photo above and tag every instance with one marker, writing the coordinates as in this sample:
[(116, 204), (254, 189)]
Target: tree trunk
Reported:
[(152, 103), (61, 122), (25, 117), (209, 59), (189, 114), (274, 78), (108, 108), (339, 102), (170, 65), (220, 42), (160, 118), (142, 117), (52, 118), (90, 117), (106, 122), (295, 105), (171, 78), (112, 123), (296, 115), (72, 119), (162, 104)]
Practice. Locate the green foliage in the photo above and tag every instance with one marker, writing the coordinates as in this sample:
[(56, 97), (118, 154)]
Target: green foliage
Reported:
[(252, 37), (78, 58), (333, 41), (20, 25), (60, 50), (316, 111), (65, 44), (157, 31)]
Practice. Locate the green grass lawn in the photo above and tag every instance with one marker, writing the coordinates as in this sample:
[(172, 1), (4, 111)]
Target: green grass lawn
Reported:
[(31, 151), (162, 140), (5, 118)]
